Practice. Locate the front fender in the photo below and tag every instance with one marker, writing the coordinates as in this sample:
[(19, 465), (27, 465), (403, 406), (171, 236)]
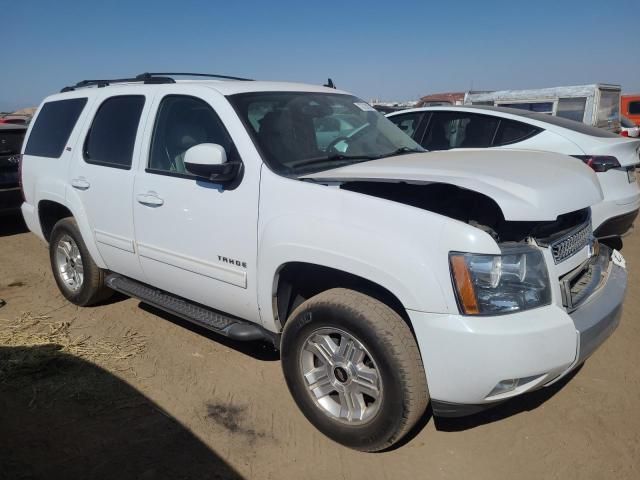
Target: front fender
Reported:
[(401, 248)]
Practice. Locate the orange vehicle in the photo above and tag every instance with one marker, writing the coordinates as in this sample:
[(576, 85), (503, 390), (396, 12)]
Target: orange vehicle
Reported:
[(630, 107)]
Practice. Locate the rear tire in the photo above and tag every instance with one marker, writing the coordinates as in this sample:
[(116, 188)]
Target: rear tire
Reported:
[(354, 369), (79, 279)]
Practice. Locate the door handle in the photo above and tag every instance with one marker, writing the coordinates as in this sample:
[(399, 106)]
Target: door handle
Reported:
[(80, 183), (150, 199)]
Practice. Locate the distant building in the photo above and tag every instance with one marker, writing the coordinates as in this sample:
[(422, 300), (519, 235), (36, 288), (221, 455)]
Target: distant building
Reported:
[(450, 98)]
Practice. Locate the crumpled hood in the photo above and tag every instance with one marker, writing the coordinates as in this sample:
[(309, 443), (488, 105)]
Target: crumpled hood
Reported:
[(527, 185)]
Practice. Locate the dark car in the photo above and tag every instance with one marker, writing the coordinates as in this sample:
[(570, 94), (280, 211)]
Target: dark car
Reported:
[(11, 137)]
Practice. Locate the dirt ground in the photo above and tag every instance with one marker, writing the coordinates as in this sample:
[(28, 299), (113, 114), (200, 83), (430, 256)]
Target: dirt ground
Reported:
[(122, 391)]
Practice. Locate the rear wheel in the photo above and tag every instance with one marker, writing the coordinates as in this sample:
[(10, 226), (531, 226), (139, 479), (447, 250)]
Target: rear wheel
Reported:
[(353, 368), (79, 279)]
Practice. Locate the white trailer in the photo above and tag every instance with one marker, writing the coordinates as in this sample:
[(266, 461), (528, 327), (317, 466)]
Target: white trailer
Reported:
[(596, 104)]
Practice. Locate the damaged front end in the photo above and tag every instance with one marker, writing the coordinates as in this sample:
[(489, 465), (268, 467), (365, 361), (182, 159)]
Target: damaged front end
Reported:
[(576, 260), (474, 209)]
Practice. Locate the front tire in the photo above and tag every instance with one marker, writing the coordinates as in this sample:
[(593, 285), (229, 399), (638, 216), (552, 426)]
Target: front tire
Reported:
[(79, 279), (354, 369)]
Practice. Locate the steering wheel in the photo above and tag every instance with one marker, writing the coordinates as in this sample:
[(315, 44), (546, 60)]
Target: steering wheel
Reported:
[(335, 141)]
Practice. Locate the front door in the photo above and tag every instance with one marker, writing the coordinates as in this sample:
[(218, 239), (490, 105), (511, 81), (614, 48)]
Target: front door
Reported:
[(195, 238)]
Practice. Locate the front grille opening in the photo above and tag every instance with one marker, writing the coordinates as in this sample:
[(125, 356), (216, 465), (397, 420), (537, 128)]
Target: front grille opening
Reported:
[(578, 285)]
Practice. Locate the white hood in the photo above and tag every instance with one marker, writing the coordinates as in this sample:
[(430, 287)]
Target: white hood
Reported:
[(527, 185)]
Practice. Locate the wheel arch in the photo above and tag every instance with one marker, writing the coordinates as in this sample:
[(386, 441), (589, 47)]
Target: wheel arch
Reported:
[(50, 211), (296, 281)]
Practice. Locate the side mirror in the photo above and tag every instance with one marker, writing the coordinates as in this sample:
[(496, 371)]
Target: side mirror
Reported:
[(209, 161)]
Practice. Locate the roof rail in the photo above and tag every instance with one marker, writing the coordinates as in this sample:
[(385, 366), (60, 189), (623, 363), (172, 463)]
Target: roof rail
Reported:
[(147, 78), (210, 75), (106, 82)]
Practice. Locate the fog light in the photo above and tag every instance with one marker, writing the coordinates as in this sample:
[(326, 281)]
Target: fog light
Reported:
[(504, 386), (511, 384)]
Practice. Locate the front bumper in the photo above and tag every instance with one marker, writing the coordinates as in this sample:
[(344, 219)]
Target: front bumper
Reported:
[(599, 317), (465, 358)]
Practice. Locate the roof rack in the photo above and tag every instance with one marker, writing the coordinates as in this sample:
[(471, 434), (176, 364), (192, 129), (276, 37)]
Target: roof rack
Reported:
[(146, 78), (210, 75)]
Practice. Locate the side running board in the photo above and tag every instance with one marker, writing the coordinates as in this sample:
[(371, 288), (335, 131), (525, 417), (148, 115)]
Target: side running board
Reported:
[(231, 327)]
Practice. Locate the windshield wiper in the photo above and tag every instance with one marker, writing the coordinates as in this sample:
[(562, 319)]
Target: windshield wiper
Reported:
[(332, 158), (402, 151)]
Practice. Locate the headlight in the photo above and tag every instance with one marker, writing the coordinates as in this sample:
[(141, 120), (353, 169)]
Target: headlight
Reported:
[(494, 284)]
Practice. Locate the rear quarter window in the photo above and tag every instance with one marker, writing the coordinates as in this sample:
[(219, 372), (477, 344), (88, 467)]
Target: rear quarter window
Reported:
[(511, 131), (53, 126)]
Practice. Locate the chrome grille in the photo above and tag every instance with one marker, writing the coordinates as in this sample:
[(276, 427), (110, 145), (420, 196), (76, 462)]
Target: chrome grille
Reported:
[(571, 244)]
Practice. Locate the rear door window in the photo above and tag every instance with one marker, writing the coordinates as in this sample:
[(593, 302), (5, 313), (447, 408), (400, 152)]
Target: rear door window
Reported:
[(459, 130), (408, 122), (511, 131), (112, 135), (53, 127)]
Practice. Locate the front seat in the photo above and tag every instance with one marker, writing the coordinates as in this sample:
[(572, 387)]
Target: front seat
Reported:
[(182, 137), (270, 136)]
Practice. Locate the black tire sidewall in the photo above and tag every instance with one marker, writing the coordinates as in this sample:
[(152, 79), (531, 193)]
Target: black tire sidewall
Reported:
[(86, 293), (375, 434)]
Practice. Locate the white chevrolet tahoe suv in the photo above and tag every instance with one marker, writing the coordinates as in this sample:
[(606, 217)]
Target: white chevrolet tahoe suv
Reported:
[(387, 277)]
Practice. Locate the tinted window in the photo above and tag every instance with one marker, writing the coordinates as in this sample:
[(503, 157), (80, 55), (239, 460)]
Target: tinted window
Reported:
[(183, 122), (407, 122), (53, 126), (571, 108), (634, 108), (540, 107), (510, 131), (459, 130), (112, 135)]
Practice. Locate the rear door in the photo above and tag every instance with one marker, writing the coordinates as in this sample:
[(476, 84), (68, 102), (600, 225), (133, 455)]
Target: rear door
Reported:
[(102, 176)]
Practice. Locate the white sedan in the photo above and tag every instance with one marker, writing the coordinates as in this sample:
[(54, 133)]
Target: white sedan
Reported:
[(612, 157)]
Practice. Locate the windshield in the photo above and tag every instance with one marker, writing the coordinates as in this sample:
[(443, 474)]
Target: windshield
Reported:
[(299, 133)]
